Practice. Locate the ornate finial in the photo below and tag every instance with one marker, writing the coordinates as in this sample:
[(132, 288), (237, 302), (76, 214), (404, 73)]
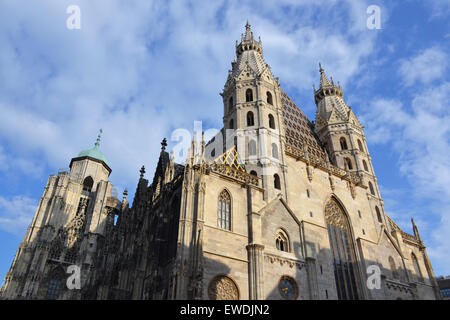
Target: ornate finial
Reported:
[(320, 68), (97, 143), (247, 26), (163, 144), (125, 194), (142, 171)]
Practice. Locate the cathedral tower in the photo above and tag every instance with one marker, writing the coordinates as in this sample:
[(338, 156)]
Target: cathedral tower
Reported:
[(68, 229), (343, 138), (252, 114)]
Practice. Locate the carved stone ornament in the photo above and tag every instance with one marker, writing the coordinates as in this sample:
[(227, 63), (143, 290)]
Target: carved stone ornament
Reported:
[(223, 288), (334, 215)]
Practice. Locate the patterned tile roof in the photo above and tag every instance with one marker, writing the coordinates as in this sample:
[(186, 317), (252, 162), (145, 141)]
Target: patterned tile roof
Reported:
[(299, 130)]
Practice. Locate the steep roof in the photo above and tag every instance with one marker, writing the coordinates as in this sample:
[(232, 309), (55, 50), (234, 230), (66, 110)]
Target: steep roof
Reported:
[(299, 130)]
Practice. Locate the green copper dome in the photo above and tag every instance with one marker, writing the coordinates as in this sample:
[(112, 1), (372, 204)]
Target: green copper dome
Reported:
[(95, 152)]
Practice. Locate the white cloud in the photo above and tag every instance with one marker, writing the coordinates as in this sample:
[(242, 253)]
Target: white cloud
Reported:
[(16, 213), (430, 65), (139, 70), (420, 134)]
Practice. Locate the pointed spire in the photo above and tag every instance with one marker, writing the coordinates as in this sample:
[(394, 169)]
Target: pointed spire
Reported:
[(248, 32), (324, 82), (97, 143), (142, 171), (416, 231)]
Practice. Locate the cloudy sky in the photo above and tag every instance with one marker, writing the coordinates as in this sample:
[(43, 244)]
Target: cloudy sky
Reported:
[(142, 69)]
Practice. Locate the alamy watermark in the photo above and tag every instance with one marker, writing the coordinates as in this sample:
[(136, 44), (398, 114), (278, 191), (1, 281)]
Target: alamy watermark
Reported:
[(374, 278), (374, 20), (74, 280), (74, 20)]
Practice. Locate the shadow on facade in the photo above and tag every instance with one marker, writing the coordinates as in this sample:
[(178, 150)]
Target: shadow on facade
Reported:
[(317, 278)]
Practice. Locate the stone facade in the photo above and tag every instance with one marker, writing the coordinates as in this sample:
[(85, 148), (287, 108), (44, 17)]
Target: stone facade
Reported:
[(273, 207)]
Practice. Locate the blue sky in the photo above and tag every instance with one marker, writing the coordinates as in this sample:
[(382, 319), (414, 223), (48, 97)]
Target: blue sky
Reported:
[(141, 69)]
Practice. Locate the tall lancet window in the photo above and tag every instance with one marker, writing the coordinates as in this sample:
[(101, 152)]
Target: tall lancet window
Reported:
[(249, 95), (224, 214), (271, 122), (343, 143), (250, 119), (269, 98), (342, 251)]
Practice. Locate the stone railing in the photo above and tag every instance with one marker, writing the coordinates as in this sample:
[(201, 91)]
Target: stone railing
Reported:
[(399, 286), (318, 162), (228, 171)]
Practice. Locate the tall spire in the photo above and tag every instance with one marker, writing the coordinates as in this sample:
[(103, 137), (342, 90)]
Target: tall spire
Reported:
[(248, 42), (327, 87), (248, 32), (324, 82)]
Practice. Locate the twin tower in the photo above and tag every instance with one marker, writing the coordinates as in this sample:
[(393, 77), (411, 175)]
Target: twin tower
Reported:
[(262, 122), (278, 207)]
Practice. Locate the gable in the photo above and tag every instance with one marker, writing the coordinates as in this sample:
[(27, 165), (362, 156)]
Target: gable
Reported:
[(278, 216)]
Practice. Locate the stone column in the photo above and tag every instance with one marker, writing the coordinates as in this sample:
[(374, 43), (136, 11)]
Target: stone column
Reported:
[(255, 271)]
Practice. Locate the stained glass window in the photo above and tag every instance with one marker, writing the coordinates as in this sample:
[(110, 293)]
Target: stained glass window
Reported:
[(343, 252), (224, 214)]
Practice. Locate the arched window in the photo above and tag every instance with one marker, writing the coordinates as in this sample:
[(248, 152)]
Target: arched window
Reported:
[(253, 173), (393, 268), (224, 214), (343, 251), (365, 165), (378, 214), (230, 104), (252, 148), (269, 98), (348, 163), (250, 119), (271, 122), (276, 181), (87, 184), (213, 153), (274, 150), (416, 267), (282, 241), (249, 95), (372, 191), (343, 143), (231, 126), (360, 146)]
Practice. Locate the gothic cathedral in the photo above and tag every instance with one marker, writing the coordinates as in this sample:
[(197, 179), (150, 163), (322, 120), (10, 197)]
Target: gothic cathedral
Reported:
[(273, 207)]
